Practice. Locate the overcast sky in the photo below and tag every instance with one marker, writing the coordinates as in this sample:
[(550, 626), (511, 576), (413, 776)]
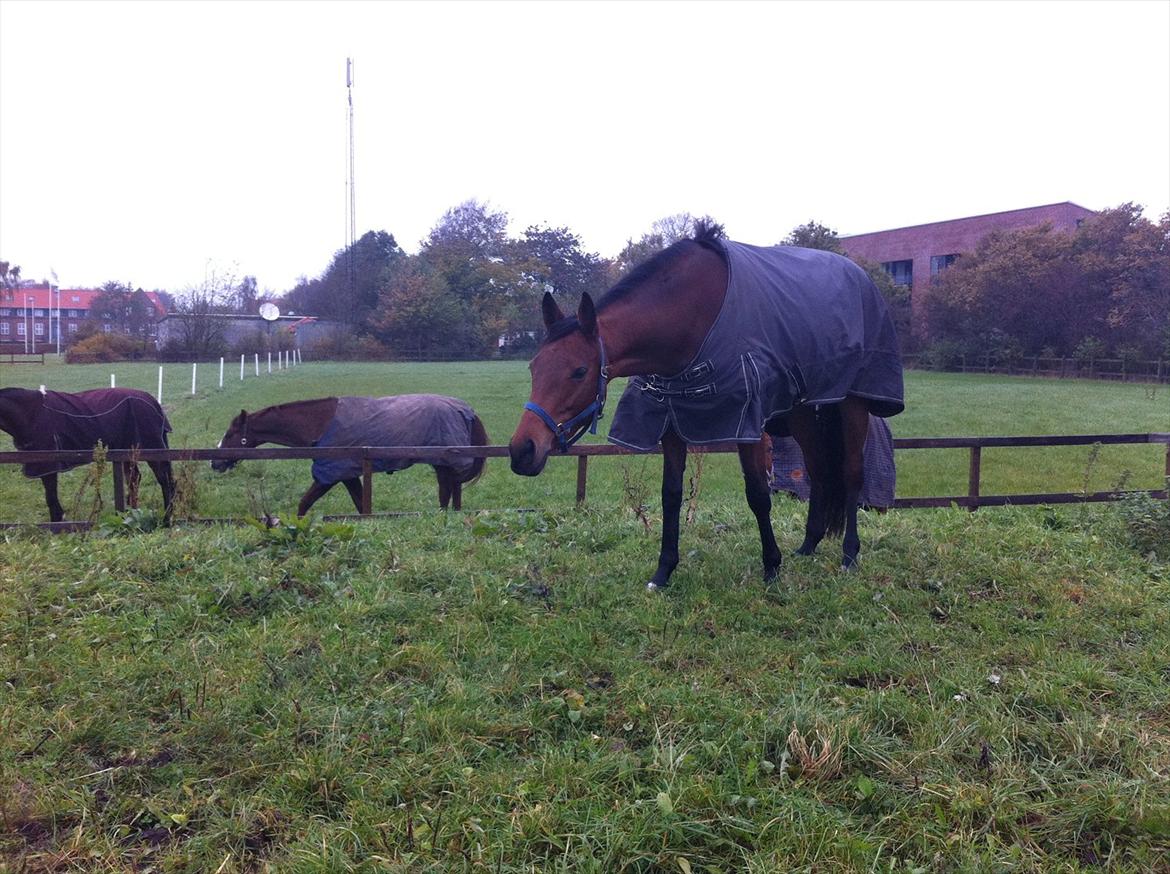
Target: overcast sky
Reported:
[(151, 142)]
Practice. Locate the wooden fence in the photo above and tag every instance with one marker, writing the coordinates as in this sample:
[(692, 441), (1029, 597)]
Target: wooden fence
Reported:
[(972, 500), (1118, 369)]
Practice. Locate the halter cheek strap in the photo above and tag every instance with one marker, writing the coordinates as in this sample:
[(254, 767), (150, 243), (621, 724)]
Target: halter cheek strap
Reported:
[(568, 433)]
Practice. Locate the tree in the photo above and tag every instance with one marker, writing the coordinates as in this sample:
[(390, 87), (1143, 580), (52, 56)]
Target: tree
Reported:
[(348, 290), (663, 232), (9, 280), (554, 257), (416, 314), (814, 235), (247, 295), (198, 331), (125, 309)]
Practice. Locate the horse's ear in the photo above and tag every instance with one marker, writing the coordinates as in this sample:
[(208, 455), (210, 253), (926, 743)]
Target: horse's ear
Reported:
[(551, 311), (587, 315), (242, 417)]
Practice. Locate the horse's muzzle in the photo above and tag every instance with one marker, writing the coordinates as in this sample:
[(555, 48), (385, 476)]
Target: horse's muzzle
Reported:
[(219, 465), (525, 459)]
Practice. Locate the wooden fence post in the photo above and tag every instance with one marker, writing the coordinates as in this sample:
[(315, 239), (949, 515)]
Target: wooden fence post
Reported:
[(973, 479), (119, 486), (367, 487), (583, 474)]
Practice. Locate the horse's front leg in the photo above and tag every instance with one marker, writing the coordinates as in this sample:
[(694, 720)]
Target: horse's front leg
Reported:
[(56, 511), (674, 462), (753, 459)]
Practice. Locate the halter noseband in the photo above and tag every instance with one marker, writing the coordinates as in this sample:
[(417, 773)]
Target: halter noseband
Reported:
[(590, 414)]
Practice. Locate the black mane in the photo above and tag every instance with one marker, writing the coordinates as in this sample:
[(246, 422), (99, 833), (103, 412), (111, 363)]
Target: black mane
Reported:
[(707, 234)]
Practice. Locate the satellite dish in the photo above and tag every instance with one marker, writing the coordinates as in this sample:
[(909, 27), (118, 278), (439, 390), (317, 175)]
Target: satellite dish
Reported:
[(269, 312)]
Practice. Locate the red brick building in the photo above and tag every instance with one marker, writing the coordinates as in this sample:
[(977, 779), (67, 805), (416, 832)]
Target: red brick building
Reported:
[(914, 255), (31, 315)]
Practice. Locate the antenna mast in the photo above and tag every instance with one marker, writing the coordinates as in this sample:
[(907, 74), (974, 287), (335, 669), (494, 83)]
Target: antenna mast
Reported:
[(351, 220)]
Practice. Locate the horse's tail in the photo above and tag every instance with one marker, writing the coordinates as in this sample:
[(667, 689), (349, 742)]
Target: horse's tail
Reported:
[(830, 427), (479, 437)]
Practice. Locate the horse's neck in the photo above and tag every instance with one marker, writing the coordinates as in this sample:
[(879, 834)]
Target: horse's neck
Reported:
[(15, 415), (300, 424), (660, 327)]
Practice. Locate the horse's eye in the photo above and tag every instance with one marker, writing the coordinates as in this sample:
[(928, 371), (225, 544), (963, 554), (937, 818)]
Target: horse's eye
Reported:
[(580, 372), (243, 441)]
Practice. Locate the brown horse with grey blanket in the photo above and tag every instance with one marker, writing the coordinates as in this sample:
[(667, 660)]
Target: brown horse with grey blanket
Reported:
[(398, 420)]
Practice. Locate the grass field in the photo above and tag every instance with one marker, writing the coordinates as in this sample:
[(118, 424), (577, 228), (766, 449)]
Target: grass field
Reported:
[(494, 691)]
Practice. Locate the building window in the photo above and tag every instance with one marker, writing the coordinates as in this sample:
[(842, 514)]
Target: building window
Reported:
[(939, 263), (902, 272), (20, 329), (5, 328), (76, 299), (5, 311), (39, 329), (73, 327)]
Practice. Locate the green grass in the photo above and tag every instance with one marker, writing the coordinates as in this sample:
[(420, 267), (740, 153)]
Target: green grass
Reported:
[(494, 691)]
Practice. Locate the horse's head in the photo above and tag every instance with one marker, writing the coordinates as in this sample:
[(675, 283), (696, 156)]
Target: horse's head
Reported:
[(568, 387), (235, 438)]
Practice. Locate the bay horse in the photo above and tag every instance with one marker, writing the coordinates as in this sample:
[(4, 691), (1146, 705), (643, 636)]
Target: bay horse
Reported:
[(120, 418), (723, 341), (398, 420)]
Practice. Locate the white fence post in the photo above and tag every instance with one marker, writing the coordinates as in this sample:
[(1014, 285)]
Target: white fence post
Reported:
[(113, 382), (241, 367), (256, 361), (270, 362), (221, 372), (193, 366), (158, 397)]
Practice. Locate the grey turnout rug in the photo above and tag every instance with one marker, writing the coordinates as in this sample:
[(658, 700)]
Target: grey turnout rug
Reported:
[(790, 475), (399, 420), (798, 326)]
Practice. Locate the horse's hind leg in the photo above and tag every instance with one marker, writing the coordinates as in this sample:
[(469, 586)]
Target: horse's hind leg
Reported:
[(166, 480), (803, 427), (446, 478), (314, 493), (354, 487), (855, 425), (753, 459), (56, 511)]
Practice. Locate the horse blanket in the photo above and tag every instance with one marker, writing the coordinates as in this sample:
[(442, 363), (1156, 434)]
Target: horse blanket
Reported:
[(121, 418), (399, 420), (789, 473), (797, 326)]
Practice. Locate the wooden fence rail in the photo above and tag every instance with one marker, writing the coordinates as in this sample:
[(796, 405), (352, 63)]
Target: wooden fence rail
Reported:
[(583, 452)]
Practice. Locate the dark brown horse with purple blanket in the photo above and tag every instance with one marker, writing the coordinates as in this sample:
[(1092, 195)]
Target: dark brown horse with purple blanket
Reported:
[(723, 340), (120, 418)]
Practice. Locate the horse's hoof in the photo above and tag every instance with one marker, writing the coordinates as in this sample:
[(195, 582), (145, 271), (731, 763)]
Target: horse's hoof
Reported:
[(771, 573), (657, 587)]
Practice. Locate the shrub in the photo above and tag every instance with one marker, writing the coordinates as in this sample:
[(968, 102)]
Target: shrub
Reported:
[(943, 355), (1147, 520), (98, 348)]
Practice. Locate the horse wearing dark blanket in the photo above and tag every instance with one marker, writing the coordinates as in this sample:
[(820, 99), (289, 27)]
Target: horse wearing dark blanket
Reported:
[(399, 420), (722, 341), (119, 418)]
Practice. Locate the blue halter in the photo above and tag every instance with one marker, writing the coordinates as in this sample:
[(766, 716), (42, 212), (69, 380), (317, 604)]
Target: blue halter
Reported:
[(590, 414)]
